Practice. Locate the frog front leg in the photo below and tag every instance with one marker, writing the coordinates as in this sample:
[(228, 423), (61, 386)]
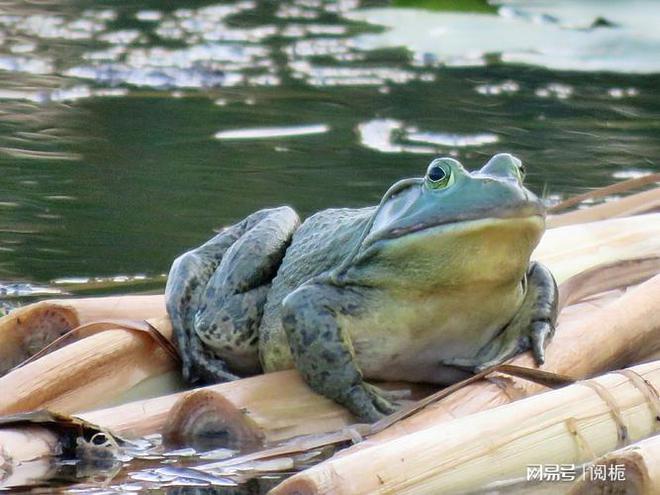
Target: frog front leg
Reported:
[(314, 317), (215, 294), (531, 327)]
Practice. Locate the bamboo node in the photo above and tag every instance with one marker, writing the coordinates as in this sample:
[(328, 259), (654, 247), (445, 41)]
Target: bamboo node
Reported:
[(647, 389), (581, 442), (615, 411)]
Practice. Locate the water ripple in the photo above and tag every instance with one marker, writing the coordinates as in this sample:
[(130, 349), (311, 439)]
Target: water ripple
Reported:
[(390, 136), (273, 132)]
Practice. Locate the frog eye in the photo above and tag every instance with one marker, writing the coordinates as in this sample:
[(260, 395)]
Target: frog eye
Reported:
[(522, 171), (438, 175)]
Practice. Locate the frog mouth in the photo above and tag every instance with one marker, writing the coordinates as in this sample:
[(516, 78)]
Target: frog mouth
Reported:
[(526, 210)]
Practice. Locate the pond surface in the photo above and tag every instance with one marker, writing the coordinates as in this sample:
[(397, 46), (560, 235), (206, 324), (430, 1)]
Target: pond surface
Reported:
[(130, 130)]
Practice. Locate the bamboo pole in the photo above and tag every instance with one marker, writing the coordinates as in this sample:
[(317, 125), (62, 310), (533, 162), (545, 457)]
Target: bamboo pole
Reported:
[(639, 464), (280, 404), (566, 426), (27, 330), (252, 412), (271, 407), (643, 202), (572, 249), (85, 373)]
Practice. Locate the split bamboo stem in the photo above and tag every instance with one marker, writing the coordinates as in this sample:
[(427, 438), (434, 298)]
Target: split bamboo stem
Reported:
[(27, 330), (87, 372), (641, 471), (566, 426)]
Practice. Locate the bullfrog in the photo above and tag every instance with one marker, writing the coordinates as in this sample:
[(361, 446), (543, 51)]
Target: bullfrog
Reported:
[(431, 284)]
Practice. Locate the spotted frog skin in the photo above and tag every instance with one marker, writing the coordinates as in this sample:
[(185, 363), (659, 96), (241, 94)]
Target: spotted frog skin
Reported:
[(433, 282)]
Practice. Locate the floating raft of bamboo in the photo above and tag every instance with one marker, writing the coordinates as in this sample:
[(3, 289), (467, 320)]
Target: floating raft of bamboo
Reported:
[(112, 352)]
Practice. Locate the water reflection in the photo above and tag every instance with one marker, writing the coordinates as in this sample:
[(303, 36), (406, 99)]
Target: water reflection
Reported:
[(272, 132), (565, 35), (129, 132)]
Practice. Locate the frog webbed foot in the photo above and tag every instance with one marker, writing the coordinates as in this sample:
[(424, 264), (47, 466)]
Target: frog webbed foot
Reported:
[(215, 294), (322, 349)]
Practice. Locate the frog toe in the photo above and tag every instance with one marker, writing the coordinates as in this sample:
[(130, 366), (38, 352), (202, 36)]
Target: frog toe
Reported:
[(368, 402), (540, 335)]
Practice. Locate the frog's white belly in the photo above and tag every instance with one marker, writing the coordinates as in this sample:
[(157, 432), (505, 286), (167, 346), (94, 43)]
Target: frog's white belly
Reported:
[(407, 338)]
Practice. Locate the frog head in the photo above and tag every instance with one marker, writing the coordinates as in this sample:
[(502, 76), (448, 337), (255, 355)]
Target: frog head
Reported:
[(454, 227)]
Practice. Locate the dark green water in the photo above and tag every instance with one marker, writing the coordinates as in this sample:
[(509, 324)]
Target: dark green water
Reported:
[(108, 115)]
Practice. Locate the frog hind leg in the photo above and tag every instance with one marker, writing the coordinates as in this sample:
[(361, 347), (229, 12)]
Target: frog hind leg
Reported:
[(322, 349), (531, 328), (215, 294)]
